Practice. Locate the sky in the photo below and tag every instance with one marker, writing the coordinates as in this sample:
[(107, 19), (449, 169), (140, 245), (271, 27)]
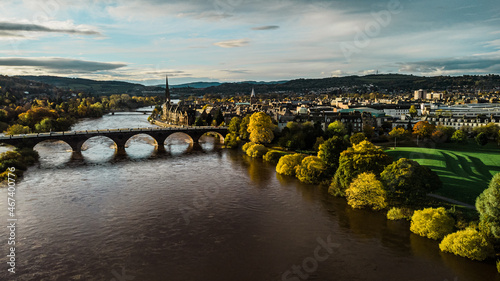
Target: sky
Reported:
[(240, 40)]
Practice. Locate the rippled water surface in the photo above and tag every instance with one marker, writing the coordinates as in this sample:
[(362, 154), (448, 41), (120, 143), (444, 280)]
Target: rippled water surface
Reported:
[(201, 214)]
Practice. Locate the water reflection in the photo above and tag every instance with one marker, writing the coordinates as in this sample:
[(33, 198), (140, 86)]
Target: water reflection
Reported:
[(53, 154), (140, 146)]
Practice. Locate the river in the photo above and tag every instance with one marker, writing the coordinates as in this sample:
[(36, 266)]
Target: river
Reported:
[(202, 214)]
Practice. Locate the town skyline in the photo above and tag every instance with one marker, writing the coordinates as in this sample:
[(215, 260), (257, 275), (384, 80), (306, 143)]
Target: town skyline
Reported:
[(239, 40)]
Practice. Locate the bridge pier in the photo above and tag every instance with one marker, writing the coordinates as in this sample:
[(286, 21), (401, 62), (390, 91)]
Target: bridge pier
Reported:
[(76, 155), (120, 149), (160, 148)]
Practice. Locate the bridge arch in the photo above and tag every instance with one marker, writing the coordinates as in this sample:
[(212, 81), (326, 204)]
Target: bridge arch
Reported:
[(97, 140), (138, 135), (189, 137), (219, 135)]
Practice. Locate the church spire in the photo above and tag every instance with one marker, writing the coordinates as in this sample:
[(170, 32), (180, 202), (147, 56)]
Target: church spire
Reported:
[(167, 92)]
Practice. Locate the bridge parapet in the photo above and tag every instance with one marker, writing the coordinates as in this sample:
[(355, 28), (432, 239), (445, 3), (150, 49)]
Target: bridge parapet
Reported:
[(120, 136)]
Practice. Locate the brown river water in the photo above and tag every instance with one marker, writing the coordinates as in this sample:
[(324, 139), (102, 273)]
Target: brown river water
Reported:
[(201, 214)]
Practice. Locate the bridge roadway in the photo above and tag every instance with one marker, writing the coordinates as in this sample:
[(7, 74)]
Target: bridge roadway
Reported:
[(75, 139)]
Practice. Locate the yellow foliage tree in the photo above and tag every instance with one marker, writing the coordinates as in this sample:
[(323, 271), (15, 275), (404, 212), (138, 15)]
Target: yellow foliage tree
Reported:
[(434, 223), (468, 243), (366, 191), (261, 128)]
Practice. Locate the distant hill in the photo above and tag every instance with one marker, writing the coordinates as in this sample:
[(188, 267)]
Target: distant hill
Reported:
[(95, 87), (394, 83), (203, 85)]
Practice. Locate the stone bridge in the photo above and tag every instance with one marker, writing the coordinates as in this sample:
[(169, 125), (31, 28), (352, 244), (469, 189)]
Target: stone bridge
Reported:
[(75, 139)]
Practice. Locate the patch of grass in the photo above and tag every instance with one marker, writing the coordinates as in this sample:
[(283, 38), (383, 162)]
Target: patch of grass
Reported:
[(465, 170)]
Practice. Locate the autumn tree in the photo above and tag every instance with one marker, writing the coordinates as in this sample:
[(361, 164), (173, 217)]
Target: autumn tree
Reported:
[(244, 134), (261, 128), (288, 163), (311, 170), (366, 191), (423, 129), (434, 223)]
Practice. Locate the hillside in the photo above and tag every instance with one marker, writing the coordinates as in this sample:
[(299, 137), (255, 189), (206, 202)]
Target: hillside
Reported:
[(95, 87)]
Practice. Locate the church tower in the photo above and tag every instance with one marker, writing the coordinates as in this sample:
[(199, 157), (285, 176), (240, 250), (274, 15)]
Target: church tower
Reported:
[(167, 92), (252, 97)]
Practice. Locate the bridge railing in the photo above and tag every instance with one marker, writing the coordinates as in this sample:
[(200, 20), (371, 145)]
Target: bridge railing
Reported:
[(107, 131)]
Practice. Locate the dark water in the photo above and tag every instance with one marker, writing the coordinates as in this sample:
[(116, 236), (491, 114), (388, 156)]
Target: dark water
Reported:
[(202, 214)]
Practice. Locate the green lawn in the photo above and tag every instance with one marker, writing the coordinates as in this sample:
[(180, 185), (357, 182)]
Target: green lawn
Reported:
[(465, 170)]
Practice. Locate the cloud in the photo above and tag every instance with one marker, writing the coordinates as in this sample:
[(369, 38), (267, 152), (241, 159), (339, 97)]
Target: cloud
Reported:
[(232, 43), (60, 65), (266, 27), (469, 64), (9, 27)]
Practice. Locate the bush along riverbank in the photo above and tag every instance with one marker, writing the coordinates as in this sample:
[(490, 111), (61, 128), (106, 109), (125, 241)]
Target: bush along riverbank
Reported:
[(368, 177), (19, 159)]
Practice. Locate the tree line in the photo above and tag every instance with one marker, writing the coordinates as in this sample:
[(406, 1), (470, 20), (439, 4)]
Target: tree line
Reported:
[(354, 168)]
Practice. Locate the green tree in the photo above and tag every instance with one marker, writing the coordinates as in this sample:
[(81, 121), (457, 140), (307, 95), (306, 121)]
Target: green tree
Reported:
[(219, 117), (407, 182), (488, 206), (366, 191), (481, 139), (244, 134), (336, 128), (261, 128), (286, 164), (45, 125), (459, 136), (199, 122), (362, 157), (234, 125), (330, 151), (468, 243), (311, 170), (357, 138), (319, 141), (413, 111), (447, 131), (398, 134), (434, 223)]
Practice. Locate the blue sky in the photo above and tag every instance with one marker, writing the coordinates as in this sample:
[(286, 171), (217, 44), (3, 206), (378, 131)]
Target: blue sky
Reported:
[(237, 40)]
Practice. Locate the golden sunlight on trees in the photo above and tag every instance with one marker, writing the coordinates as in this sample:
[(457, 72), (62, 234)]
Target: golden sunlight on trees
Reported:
[(261, 128), (366, 191)]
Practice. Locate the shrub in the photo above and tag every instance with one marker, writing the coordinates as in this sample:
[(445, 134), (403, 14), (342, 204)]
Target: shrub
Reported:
[(273, 156), (468, 243), (366, 191), (399, 213), (459, 136), (311, 170), (286, 164), (434, 223), (256, 151), (498, 266), (247, 146)]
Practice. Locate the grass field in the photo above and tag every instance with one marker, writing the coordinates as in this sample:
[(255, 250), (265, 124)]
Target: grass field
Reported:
[(465, 170)]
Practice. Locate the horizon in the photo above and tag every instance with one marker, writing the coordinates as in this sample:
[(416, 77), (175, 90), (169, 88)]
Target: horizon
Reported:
[(230, 41)]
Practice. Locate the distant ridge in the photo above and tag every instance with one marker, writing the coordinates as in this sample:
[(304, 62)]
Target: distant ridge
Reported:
[(203, 85)]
